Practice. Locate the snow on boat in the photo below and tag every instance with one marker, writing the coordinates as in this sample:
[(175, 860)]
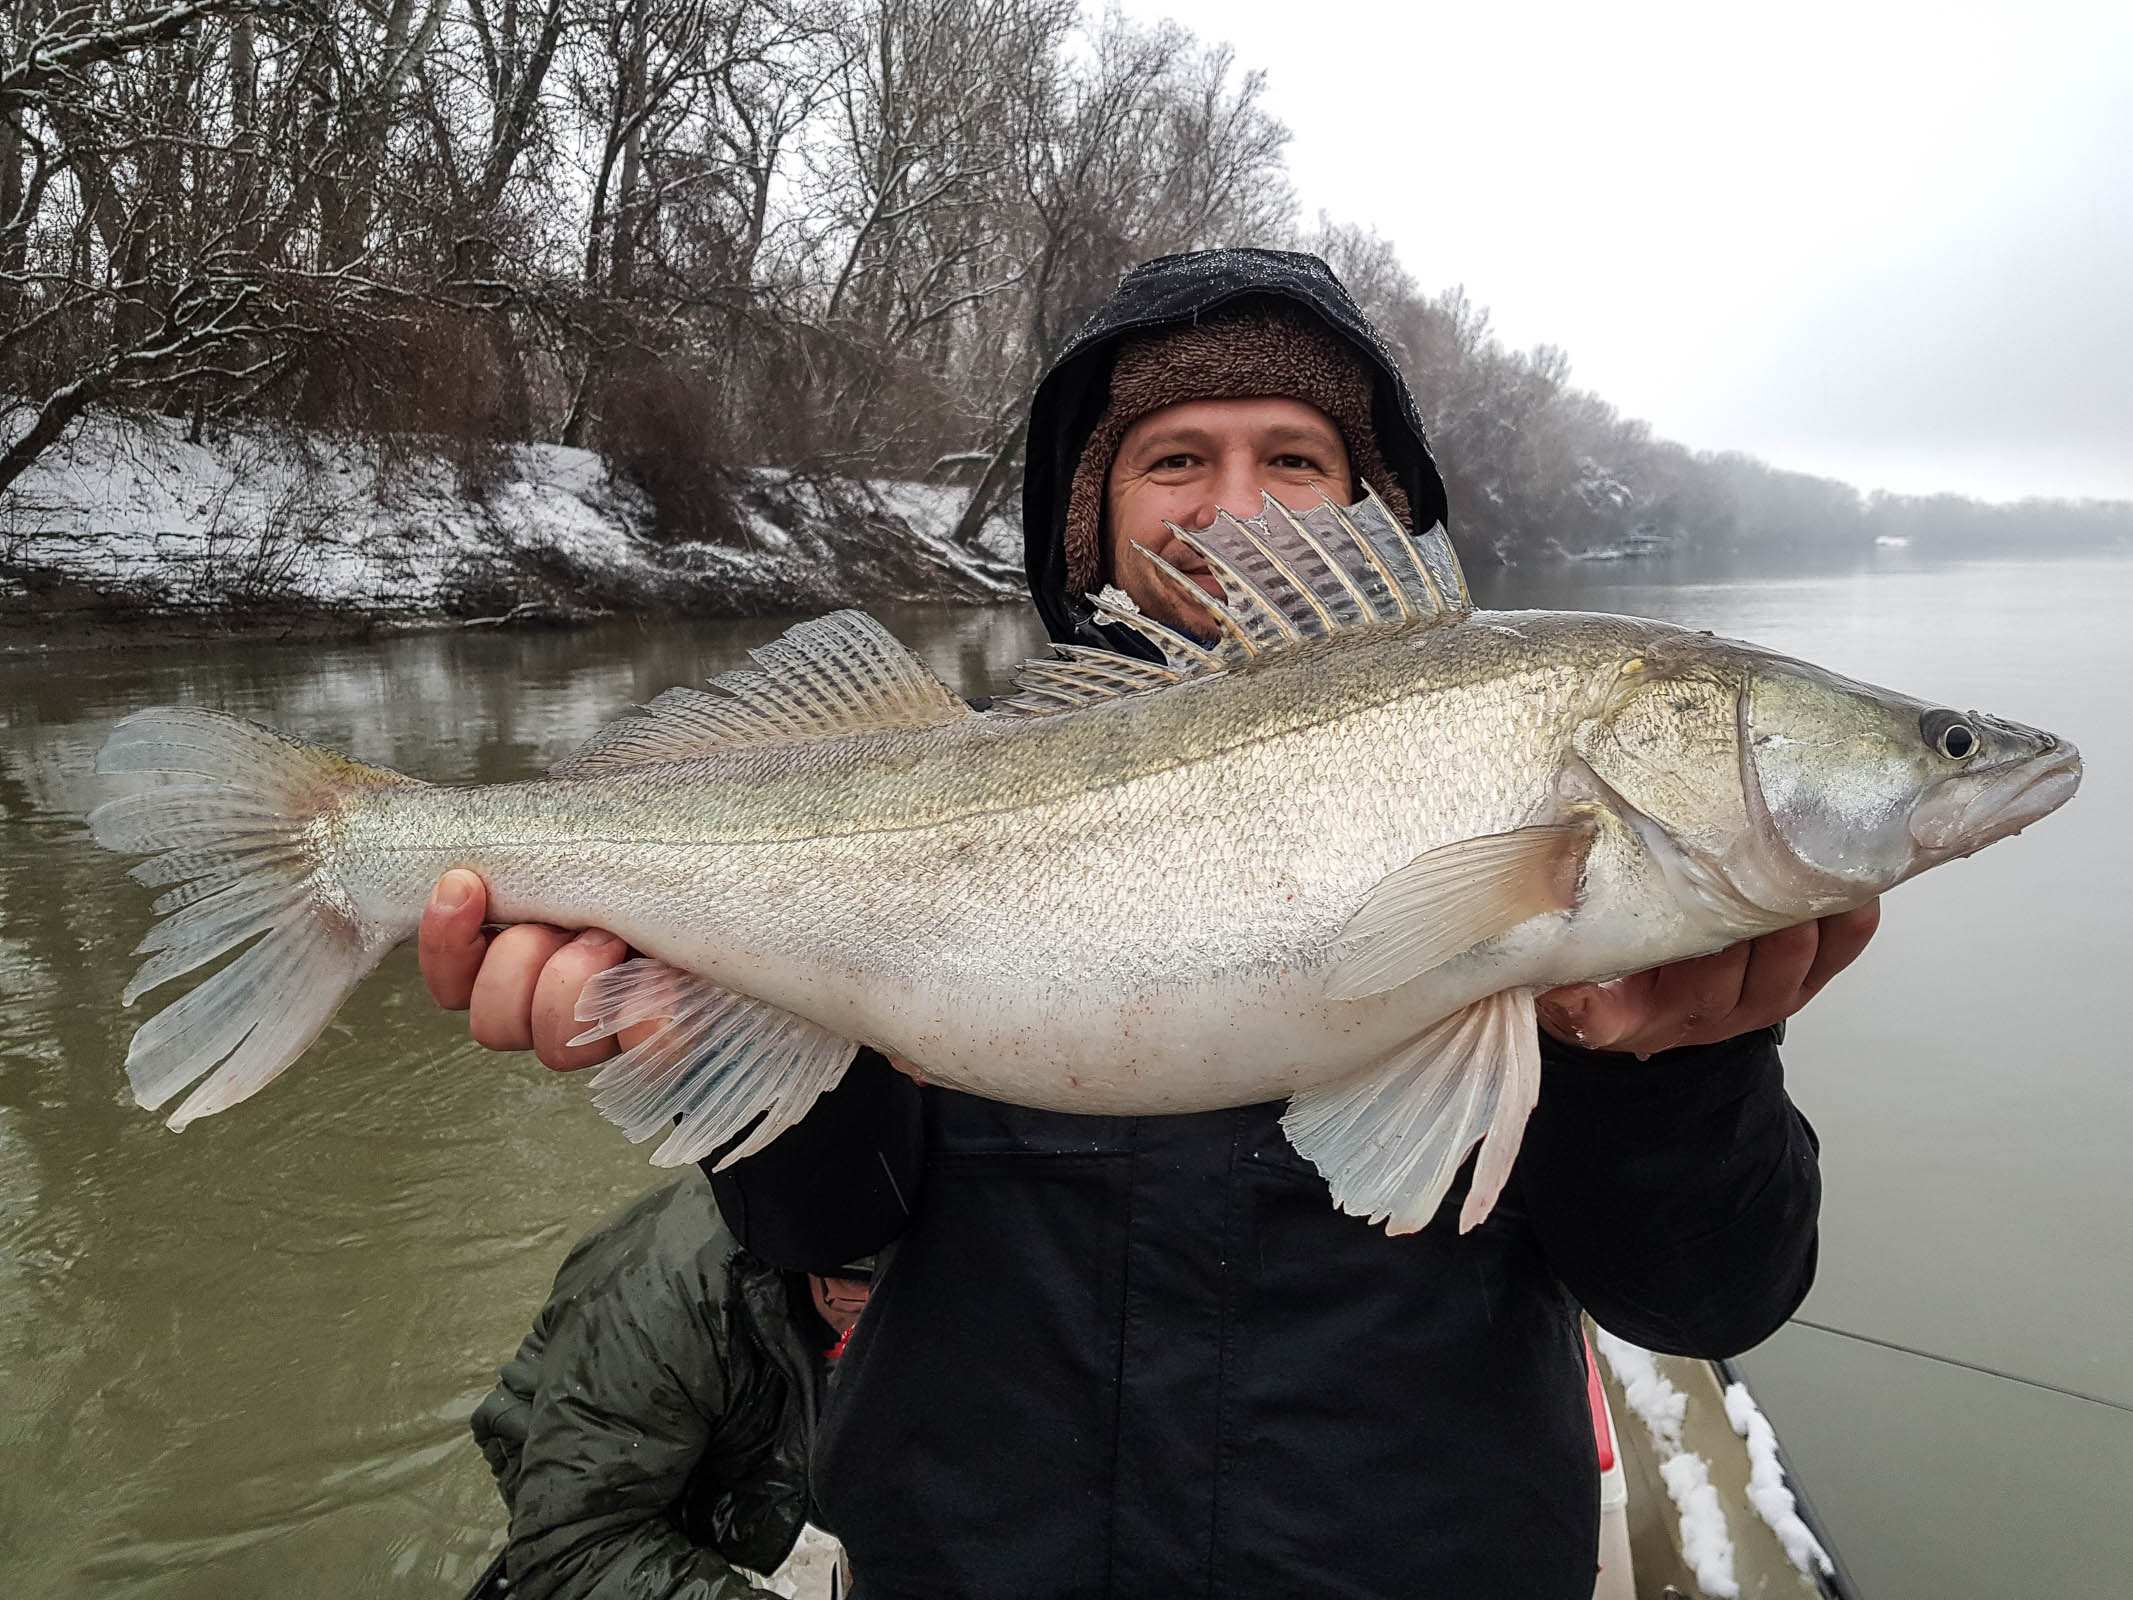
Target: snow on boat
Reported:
[(1696, 1501)]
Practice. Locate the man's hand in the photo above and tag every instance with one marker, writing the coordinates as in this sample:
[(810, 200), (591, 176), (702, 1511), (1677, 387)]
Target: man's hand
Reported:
[(520, 988), (1737, 990)]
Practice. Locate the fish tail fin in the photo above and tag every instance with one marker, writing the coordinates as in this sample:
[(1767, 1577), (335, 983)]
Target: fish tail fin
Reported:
[(227, 816)]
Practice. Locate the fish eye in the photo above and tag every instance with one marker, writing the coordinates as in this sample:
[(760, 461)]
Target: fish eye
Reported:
[(1947, 732)]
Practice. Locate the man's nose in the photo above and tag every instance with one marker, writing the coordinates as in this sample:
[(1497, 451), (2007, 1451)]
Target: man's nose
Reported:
[(1237, 487)]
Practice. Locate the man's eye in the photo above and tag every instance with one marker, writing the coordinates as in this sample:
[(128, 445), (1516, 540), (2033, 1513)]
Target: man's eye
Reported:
[(1176, 463), (1296, 463)]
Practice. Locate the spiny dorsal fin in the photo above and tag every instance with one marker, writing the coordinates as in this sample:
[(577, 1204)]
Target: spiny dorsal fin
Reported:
[(1187, 657), (1289, 576), (822, 679), (1286, 577)]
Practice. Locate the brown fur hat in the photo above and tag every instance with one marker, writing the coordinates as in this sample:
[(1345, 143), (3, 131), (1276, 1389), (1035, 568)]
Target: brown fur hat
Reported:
[(1234, 354)]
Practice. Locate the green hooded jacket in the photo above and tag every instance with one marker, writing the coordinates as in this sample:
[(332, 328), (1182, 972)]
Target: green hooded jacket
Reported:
[(651, 1436)]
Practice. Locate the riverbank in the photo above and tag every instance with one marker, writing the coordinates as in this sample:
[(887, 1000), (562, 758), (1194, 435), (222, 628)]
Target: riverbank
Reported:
[(131, 534)]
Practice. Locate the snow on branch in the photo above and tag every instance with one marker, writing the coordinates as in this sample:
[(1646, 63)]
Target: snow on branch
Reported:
[(81, 36)]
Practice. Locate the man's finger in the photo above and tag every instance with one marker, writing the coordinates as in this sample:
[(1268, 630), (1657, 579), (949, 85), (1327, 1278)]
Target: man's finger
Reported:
[(1567, 1013), (501, 1014), (1691, 1000), (1778, 964), (450, 942), (1843, 937), (555, 1000), (1597, 1016), (1719, 996)]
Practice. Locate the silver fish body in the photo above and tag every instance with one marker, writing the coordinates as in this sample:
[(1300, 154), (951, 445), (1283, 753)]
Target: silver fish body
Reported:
[(1335, 865), (907, 888)]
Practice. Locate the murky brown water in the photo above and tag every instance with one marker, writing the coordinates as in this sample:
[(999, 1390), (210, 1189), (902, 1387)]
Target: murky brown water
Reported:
[(239, 1361)]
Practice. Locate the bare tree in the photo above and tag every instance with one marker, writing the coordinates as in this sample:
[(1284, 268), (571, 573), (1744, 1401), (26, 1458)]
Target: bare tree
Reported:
[(128, 254), (901, 182), (1147, 145), (847, 236)]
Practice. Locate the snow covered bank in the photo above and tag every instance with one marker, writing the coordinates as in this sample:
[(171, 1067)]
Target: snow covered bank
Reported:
[(129, 518)]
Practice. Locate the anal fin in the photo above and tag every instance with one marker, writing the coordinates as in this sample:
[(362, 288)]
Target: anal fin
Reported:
[(722, 1062), (1390, 1142)]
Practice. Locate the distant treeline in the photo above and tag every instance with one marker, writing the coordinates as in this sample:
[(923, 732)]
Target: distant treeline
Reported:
[(843, 238)]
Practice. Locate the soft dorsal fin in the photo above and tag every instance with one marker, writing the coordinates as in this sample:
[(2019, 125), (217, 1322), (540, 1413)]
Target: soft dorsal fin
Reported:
[(1286, 577), (822, 679)]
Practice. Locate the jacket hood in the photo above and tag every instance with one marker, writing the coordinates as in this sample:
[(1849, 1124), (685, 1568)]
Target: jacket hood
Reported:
[(1169, 292)]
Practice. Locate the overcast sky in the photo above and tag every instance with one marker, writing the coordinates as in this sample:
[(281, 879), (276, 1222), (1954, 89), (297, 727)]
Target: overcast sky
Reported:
[(1887, 242)]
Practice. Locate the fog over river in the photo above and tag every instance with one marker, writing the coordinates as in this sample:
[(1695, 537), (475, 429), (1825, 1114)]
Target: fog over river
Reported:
[(240, 1361)]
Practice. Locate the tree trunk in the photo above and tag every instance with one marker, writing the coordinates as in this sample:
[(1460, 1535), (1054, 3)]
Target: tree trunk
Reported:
[(14, 242), (580, 413), (997, 473), (623, 246), (244, 114), (54, 417)]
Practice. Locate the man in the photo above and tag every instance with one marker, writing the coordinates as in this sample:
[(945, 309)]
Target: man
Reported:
[(1140, 1356), (651, 1437)]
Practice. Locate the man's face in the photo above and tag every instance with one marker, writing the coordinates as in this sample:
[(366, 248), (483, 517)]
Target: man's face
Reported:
[(1183, 463)]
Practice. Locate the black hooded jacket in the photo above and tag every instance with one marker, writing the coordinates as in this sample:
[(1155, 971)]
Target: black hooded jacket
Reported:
[(1171, 292), (1129, 1357)]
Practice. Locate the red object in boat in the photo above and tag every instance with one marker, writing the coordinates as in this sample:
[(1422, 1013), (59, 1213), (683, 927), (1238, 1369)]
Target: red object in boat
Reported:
[(1602, 1436)]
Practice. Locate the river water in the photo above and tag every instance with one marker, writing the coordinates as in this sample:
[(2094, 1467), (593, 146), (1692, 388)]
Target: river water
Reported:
[(240, 1361)]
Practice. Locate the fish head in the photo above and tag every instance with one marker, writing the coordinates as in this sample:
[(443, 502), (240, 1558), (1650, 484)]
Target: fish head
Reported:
[(1869, 787), (1773, 791)]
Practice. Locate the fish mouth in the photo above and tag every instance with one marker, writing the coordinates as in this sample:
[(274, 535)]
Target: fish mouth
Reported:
[(1966, 814)]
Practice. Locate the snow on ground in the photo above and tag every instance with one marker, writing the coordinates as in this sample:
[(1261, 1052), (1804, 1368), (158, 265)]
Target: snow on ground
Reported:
[(935, 508), (128, 510), (1662, 1407), (256, 517), (791, 517), (1705, 1543)]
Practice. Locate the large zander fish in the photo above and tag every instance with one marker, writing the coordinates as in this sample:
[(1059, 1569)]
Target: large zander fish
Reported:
[(1331, 855)]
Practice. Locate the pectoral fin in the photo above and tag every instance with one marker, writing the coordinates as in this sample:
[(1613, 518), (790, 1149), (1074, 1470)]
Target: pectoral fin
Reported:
[(721, 1062), (1390, 1142), (1447, 900)]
